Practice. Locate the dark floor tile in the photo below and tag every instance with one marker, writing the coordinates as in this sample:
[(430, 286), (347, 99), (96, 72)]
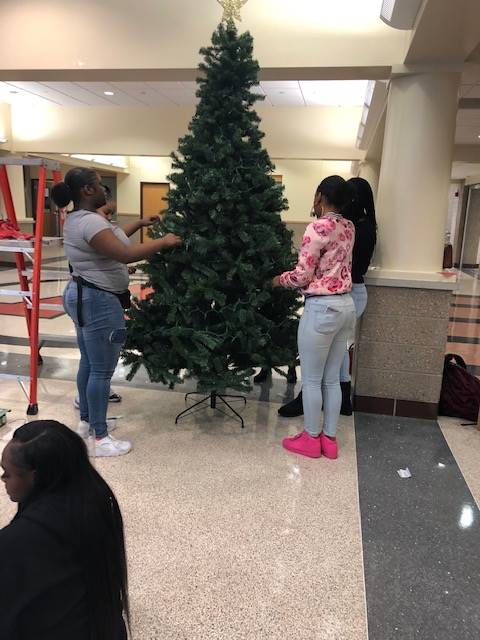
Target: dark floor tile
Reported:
[(463, 340), (420, 535), (465, 320)]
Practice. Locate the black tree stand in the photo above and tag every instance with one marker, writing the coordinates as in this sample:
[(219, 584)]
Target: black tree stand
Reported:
[(212, 400)]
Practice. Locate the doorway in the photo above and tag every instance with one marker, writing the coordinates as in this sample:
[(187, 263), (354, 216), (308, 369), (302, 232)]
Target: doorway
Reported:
[(152, 202)]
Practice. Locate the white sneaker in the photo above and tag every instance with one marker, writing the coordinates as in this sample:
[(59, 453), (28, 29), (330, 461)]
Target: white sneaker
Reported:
[(108, 447), (83, 428)]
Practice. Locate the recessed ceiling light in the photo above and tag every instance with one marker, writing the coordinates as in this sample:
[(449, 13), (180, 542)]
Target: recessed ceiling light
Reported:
[(109, 93)]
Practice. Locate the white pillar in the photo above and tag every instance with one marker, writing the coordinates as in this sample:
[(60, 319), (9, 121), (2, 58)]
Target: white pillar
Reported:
[(415, 174)]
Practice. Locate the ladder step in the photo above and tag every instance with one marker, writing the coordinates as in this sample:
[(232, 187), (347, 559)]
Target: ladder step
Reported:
[(49, 273), (45, 306), (26, 246), (60, 340), (53, 241), (28, 294), (15, 292), (14, 376)]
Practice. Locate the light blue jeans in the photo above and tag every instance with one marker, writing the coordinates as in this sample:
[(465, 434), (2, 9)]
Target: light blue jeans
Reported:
[(360, 298), (326, 326), (100, 341)]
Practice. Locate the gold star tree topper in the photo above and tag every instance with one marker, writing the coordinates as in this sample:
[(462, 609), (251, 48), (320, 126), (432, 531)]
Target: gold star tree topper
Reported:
[(231, 9)]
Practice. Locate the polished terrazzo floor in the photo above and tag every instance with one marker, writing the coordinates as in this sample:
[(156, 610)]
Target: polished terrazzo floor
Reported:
[(228, 536)]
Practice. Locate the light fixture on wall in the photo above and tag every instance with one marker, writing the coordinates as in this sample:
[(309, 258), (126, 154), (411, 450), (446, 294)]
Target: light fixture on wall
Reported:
[(108, 93), (400, 14)]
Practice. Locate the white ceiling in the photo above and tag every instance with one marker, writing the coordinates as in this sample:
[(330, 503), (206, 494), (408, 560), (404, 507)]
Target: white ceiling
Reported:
[(153, 94)]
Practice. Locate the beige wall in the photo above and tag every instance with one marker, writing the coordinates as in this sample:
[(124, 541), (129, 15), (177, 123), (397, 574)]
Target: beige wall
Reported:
[(290, 132), (300, 178), (141, 169)]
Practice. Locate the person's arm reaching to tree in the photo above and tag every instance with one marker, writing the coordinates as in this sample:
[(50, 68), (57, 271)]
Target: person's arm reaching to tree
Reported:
[(106, 243)]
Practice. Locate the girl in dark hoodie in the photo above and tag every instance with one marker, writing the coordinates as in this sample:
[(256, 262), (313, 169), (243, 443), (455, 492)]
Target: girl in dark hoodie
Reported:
[(62, 558)]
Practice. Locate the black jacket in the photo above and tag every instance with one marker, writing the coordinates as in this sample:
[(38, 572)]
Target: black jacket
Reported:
[(42, 589)]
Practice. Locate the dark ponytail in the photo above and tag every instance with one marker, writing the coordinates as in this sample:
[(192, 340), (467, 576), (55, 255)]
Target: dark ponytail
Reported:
[(70, 189), (362, 206), (336, 191), (60, 461)]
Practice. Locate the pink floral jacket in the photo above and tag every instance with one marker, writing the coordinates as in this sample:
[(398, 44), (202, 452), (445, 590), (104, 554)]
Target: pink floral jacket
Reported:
[(325, 261)]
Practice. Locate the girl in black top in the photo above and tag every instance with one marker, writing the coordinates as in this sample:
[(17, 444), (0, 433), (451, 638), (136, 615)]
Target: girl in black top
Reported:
[(361, 211), (62, 558)]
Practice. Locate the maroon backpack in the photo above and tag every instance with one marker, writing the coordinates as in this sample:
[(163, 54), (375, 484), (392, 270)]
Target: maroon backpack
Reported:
[(460, 395)]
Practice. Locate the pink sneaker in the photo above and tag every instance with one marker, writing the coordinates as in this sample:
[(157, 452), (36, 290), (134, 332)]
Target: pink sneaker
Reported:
[(329, 447), (304, 444)]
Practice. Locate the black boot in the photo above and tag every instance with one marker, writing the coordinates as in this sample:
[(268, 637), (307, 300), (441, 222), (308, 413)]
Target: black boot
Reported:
[(292, 375), (292, 409), (261, 376), (346, 409)]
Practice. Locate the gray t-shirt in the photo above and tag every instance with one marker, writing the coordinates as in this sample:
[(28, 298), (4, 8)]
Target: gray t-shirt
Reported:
[(80, 227)]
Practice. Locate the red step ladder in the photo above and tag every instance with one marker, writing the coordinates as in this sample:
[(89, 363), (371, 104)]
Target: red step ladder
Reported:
[(32, 248)]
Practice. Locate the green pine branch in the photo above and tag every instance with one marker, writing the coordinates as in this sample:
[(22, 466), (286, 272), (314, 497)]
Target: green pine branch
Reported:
[(213, 314)]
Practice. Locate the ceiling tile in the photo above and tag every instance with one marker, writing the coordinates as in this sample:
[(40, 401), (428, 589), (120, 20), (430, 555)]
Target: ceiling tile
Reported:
[(286, 98), (71, 91), (41, 91), (98, 88), (268, 85), (345, 93), (142, 92)]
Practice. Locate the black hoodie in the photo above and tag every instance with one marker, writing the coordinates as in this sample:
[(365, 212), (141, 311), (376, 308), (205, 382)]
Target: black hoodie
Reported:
[(42, 588)]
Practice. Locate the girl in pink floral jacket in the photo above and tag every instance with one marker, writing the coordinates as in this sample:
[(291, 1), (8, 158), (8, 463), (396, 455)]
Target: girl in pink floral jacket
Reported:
[(323, 275)]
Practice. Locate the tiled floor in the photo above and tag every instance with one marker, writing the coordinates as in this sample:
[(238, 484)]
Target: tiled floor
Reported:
[(464, 329), (229, 537)]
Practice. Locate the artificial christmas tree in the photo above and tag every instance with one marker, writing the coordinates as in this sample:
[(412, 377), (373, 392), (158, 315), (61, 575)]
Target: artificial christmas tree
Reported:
[(213, 313)]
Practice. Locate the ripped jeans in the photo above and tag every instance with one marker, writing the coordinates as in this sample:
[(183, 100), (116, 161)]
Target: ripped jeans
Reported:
[(100, 341)]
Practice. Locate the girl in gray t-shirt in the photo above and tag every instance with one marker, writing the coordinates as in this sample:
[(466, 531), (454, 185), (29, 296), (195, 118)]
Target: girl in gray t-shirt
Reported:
[(99, 253)]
